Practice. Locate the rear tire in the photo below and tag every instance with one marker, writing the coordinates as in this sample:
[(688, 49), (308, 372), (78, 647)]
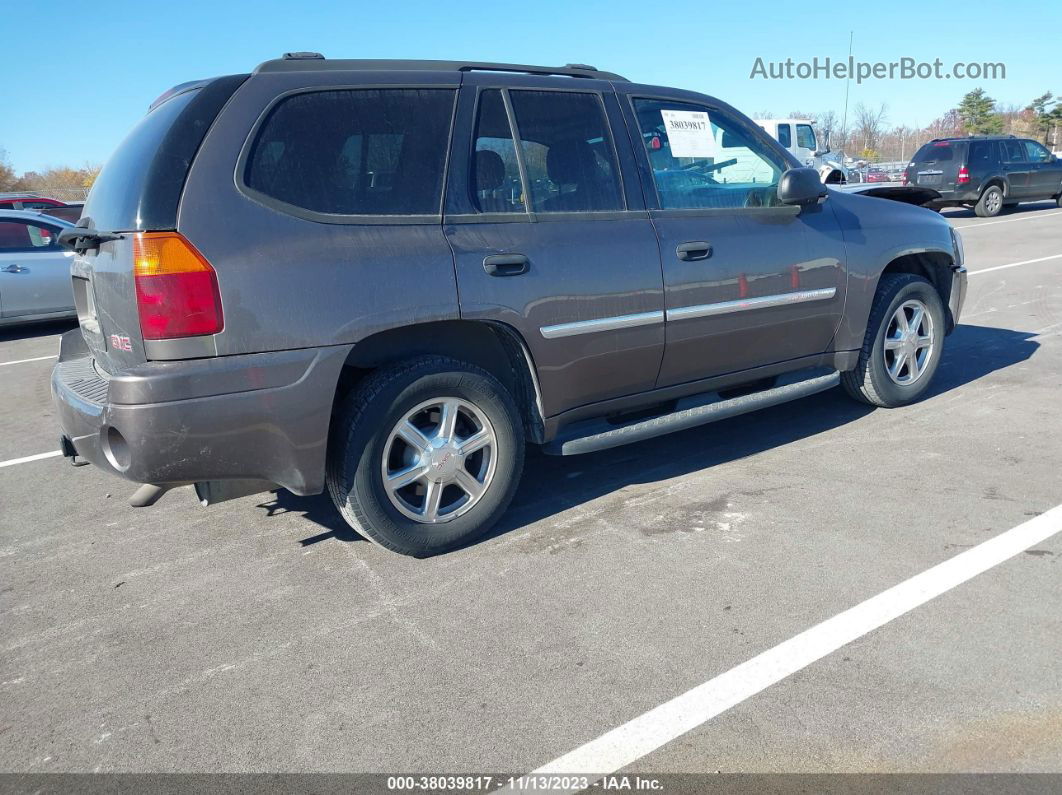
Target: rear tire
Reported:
[(462, 472), (887, 375), (990, 203)]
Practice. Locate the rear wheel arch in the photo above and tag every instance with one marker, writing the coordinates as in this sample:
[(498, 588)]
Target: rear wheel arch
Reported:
[(495, 347)]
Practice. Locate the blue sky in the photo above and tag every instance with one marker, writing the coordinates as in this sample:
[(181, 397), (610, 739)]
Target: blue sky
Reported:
[(116, 56)]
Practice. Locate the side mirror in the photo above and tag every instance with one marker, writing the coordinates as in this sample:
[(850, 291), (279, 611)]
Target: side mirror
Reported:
[(801, 186), (825, 146)]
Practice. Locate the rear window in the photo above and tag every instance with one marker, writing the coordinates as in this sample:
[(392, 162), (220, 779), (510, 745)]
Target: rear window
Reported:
[(934, 153), (114, 202), (355, 152), (141, 184)]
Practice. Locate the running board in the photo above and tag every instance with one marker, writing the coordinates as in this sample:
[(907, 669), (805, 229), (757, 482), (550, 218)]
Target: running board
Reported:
[(691, 412)]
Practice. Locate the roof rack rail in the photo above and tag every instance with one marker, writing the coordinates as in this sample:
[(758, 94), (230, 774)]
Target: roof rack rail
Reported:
[(314, 61)]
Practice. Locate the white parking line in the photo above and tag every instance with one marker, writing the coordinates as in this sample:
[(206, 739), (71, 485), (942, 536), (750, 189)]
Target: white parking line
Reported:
[(1014, 264), (29, 458), (23, 361), (644, 734), (1009, 220)]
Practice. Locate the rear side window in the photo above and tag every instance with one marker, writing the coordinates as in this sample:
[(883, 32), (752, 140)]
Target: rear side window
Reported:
[(785, 138), (567, 152), (934, 153), (355, 152), (983, 153)]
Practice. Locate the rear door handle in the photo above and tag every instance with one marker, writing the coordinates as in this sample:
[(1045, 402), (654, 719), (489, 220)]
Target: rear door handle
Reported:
[(506, 264), (694, 250), (15, 269)]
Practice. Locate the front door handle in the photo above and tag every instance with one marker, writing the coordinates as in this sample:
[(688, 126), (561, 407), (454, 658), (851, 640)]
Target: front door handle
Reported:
[(506, 264), (15, 269), (694, 250)]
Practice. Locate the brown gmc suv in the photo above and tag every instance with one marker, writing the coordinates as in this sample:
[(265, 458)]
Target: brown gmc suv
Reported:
[(385, 278)]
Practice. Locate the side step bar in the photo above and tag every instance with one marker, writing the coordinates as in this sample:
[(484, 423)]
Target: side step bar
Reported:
[(691, 412)]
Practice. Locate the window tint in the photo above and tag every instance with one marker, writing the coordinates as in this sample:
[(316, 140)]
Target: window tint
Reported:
[(1036, 152), (1013, 151), (785, 136), (702, 159), (934, 153), (22, 236), (983, 153), (567, 151), (495, 173), (355, 152), (806, 137)]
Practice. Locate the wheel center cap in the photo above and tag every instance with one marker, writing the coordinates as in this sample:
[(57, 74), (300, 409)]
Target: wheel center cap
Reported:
[(443, 461)]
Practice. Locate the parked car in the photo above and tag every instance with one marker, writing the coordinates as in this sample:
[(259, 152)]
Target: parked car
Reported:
[(987, 173), (27, 201), (34, 269), (339, 289), (71, 211), (877, 175)]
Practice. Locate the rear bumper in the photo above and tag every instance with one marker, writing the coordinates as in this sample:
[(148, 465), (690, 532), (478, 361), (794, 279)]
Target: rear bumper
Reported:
[(259, 416)]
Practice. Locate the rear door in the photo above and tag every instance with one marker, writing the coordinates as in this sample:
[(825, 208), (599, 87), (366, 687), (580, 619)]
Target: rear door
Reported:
[(747, 282), (34, 271), (550, 237), (1017, 168)]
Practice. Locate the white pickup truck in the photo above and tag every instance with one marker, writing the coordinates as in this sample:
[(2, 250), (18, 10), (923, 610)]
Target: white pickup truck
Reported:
[(800, 137)]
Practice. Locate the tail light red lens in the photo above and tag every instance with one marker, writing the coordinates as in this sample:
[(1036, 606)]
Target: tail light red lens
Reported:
[(176, 288), (964, 176), (903, 179)]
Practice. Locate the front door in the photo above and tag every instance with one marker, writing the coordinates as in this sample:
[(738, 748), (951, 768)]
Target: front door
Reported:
[(548, 241), (34, 271), (748, 282), (1045, 173)]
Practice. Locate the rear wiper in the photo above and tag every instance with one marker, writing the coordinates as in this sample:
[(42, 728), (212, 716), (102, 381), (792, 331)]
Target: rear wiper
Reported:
[(79, 239)]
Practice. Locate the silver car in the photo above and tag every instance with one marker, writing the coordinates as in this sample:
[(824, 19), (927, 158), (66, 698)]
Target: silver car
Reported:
[(34, 270)]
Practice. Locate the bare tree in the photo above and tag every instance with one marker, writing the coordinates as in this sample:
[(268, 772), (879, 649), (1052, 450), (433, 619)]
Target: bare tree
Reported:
[(870, 125)]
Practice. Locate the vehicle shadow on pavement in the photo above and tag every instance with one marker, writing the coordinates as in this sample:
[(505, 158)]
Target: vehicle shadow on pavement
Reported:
[(551, 484), (33, 330), (1018, 209)]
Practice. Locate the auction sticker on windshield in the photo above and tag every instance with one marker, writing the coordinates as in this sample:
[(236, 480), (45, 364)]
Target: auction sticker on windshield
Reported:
[(689, 132)]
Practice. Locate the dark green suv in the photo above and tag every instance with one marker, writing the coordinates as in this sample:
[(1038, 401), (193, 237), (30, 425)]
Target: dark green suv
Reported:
[(986, 173)]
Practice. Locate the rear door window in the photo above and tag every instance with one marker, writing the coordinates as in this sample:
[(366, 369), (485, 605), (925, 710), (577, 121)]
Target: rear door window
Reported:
[(495, 171), (567, 152), (355, 152), (785, 137), (1013, 152)]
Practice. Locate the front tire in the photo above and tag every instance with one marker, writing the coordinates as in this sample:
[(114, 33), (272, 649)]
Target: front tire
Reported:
[(425, 455), (990, 203), (903, 343)]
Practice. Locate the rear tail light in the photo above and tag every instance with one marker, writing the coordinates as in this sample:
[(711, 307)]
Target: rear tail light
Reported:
[(176, 288), (964, 176), (903, 179)]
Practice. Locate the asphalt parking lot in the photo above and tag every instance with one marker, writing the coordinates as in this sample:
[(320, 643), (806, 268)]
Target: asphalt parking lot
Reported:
[(262, 635)]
